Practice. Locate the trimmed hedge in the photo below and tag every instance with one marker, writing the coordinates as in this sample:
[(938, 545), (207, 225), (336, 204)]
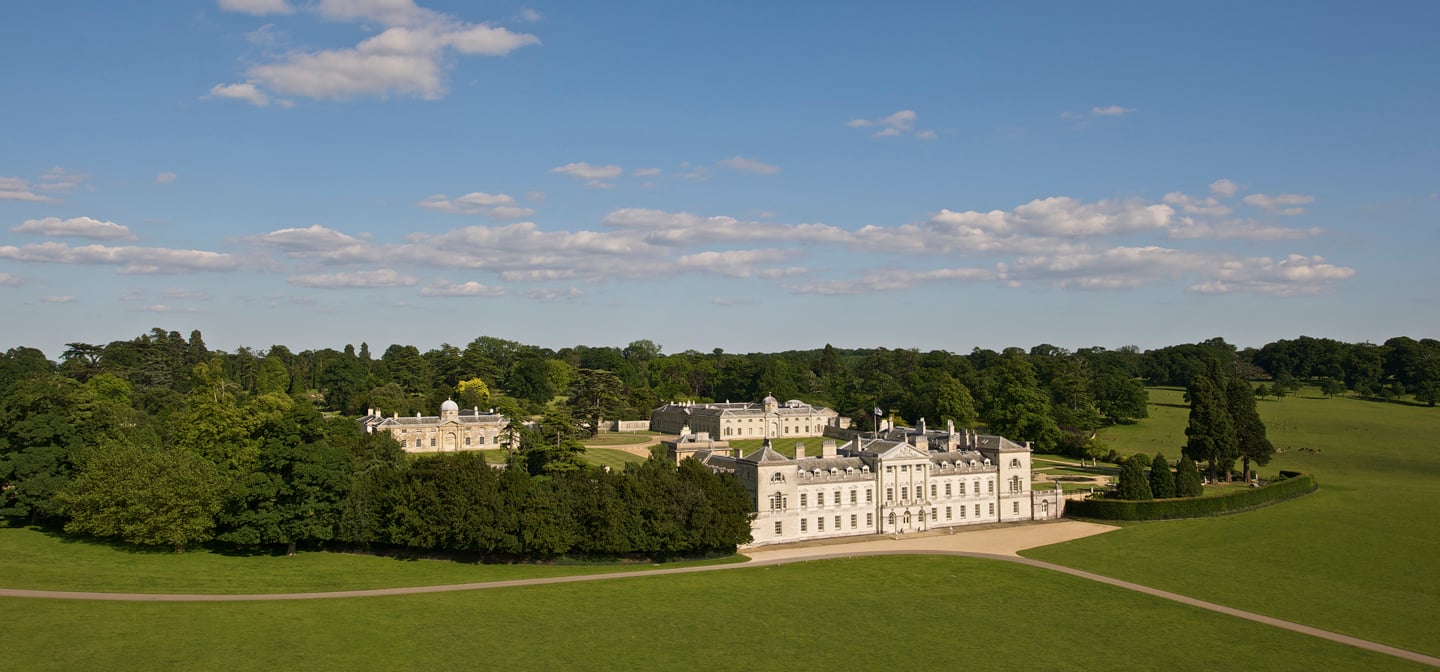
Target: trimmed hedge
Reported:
[(1193, 507)]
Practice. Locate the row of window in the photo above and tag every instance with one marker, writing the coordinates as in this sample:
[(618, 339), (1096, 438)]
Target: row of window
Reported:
[(479, 440), (820, 523), (854, 497), (870, 517), (949, 492)]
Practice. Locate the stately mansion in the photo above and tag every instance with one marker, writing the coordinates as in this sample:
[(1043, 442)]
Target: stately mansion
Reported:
[(453, 430), (768, 419), (903, 480)]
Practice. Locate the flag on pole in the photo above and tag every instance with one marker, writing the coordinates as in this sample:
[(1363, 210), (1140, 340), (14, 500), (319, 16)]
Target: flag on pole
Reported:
[(877, 411)]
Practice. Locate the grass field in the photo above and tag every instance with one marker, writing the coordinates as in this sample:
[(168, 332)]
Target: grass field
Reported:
[(619, 439), (609, 457), (37, 560), (1359, 556), (934, 613), (785, 447)]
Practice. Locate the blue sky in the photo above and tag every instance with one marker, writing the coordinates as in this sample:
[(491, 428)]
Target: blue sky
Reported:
[(749, 176)]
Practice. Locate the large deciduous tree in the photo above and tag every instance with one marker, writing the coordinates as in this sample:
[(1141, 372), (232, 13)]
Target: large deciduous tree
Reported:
[(144, 495)]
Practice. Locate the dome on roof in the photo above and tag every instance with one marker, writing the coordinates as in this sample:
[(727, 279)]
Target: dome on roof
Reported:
[(769, 400), (449, 405)]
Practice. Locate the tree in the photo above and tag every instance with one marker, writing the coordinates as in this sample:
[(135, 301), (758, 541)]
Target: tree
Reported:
[(1187, 479), (954, 403), (1133, 484), (1331, 387), (593, 396), (1162, 481), (46, 420), (473, 393), (1119, 398), (1015, 407), (1210, 436), (1262, 390), (144, 495), (296, 492), (1250, 440)]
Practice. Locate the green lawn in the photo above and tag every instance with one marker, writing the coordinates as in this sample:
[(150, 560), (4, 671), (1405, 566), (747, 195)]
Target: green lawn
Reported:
[(618, 439), (785, 447), (37, 560), (932, 613), (609, 457), (1359, 556)]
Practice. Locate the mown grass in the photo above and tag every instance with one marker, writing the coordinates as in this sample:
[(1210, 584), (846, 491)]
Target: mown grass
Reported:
[(903, 613), (45, 561), (785, 447), (609, 457), (1358, 556), (617, 439)]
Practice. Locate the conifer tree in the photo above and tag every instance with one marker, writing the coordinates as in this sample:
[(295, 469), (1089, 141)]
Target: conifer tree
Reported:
[(1162, 482), (1133, 484), (1187, 478)]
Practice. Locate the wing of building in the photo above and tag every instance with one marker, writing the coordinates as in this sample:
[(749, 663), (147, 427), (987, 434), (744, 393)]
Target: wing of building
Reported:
[(903, 480), (768, 419), (455, 429)]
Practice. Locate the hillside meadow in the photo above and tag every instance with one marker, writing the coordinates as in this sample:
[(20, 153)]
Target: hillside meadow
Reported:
[(1358, 556)]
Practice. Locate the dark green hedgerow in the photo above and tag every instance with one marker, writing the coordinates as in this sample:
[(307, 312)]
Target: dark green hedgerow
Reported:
[(1193, 507)]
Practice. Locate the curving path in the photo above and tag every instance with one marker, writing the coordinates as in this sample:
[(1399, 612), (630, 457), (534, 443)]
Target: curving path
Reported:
[(1002, 544)]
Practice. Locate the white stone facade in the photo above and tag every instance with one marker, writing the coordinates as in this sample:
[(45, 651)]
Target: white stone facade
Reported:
[(904, 481), (768, 419), (451, 431)]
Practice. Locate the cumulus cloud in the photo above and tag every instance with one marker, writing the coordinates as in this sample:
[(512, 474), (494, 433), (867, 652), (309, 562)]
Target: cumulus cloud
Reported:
[(384, 277), (130, 259), (1294, 275), (165, 178), (497, 206), (594, 176), (1284, 204), (546, 294), (9, 280), (645, 172), (58, 299), (406, 58), (246, 91), (1244, 229), (530, 15), (745, 165), (472, 288), (1225, 188), (1203, 206), (257, 7), (683, 228), (896, 124), (885, 280), (75, 227)]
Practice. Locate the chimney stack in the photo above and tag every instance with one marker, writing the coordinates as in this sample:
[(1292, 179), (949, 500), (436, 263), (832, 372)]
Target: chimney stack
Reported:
[(827, 448), (799, 450)]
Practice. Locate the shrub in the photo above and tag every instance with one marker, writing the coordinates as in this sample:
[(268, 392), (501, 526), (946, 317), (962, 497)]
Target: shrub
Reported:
[(1194, 507)]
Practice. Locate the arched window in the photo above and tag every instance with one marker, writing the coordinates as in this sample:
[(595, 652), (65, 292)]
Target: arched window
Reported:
[(892, 518), (777, 477)]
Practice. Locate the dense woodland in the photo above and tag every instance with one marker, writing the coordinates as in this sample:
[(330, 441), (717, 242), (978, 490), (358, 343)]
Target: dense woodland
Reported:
[(160, 440)]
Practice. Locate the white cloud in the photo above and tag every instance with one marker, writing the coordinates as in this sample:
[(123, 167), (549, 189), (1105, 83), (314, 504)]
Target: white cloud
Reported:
[(1225, 188), (472, 288), (585, 171), (682, 228), (473, 203), (58, 299), (1284, 204), (530, 15), (745, 165), (301, 242), (257, 7), (733, 263), (246, 91), (18, 189), (897, 124), (406, 58), (165, 178), (1191, 205), (8, 280), (132, 260), (167, 308), (1294, 275), (535, 196), (645, 172), (384, 277), (1243, 229), (510, 212), (75, 227), (1111, 111), (537, 275)]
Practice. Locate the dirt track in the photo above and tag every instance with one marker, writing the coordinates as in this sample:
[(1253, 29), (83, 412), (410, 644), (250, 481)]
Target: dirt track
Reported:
[(999, 543)]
